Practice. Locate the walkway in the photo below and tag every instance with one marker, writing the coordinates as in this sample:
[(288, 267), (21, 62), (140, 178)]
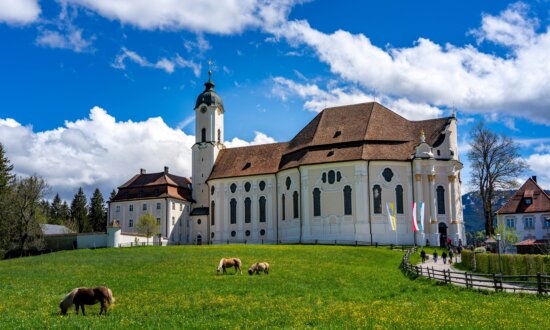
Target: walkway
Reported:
[(448, 274)]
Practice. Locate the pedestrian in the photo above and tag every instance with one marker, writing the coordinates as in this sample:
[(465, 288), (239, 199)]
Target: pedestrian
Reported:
[(444, 257), (423, 255), (435, 257), (450, 256)]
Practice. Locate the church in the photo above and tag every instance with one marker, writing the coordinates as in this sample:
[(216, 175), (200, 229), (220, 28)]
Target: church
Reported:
[(330, 183)]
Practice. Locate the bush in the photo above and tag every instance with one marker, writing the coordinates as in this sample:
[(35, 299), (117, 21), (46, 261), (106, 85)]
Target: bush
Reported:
[(512, 264)]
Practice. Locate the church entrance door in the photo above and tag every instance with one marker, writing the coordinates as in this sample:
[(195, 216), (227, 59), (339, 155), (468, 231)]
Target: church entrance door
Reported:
[(199, 240), (442, 234)]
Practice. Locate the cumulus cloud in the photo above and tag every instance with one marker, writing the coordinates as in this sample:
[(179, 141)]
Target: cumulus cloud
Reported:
[(317, 99), (539, 164), (260, 138), (515, 84), (100, 151), (168, 65), (19, 12), (211, 16)]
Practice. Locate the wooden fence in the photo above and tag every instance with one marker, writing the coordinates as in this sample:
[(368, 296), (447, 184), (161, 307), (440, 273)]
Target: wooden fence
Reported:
[(510, 283)]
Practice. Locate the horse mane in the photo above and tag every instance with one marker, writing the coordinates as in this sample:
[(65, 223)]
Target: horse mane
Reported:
[(220, 265), (68, 299)]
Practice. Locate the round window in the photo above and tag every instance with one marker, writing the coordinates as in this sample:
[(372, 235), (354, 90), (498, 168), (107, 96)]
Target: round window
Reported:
[(247, 233), (199, 221), (247, 186), (387, 174), (262, 185), (262, 232), (203, 109), (233, 188), (233, 233)]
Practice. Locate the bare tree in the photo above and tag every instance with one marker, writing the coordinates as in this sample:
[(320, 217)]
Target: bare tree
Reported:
[(496, 164)]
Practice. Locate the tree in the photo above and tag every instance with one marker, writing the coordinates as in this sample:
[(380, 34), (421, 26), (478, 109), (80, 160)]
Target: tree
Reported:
[(79, 212), (147, 225), (6, 177), (508, 236), (26, 213), (495, 166), (98, 214), (65, 215), (55, 211), (6, 182), (112, 196)]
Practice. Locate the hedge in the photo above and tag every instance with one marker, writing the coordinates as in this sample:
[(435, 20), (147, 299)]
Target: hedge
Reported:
[(512, 264)]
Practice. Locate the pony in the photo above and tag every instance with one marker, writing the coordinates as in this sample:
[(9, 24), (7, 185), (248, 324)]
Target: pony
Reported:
[(228, 263), (259, 267), (87, 296)]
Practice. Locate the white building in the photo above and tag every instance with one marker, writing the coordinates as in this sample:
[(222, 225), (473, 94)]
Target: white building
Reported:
[(527, 212), (167, 197), (330, 182)]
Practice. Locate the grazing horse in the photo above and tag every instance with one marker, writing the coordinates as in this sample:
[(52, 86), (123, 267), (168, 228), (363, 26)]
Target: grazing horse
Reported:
[(87, 296), (228, 263), (259, 267)]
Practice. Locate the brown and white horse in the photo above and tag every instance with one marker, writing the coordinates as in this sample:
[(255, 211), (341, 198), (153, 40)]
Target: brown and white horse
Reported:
[(228, 263), (87, 296), (259, 267)]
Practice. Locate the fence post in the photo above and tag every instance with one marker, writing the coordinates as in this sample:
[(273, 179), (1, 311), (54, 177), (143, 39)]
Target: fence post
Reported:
[(539, 283), (495, 282), (466, 278)]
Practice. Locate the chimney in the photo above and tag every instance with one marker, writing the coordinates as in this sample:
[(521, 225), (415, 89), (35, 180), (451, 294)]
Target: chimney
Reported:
[(165, 169), (142, 171), (534, 177)]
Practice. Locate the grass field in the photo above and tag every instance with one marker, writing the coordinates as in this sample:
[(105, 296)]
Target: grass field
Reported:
[(309, 286)]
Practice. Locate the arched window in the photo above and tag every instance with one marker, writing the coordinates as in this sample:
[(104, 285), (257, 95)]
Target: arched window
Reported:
[(377, 199), (233, 187), (295, 204), (203, 135), (233, 212), (347, 200), (316, 202), (399, 199), (288, 182), (262, 209), (324, 177), (219, 136), (440, 200), (247, 186), (212, 212), (262, 185), (331, 176), (247, 212), (283, 206)]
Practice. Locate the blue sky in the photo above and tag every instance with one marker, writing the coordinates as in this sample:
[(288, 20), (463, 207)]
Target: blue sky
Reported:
[(93, 90)]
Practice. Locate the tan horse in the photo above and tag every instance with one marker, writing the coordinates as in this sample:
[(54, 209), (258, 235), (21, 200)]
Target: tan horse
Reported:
[(259, 267), (87, 296), (228, 263)]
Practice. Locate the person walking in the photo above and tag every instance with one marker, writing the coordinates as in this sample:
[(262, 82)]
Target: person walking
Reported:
[(423, 255), (435, 257), (444, 257), (451, 256)]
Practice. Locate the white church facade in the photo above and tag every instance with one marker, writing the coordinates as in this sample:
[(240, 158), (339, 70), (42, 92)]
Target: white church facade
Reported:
[(331, 182)]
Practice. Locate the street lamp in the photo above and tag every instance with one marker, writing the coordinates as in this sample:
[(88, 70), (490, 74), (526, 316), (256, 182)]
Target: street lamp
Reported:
[(499, 261)]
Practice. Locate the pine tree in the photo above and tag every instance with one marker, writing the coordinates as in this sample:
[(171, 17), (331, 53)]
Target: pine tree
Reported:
[(6, 177), (112, 196), (55, 211), (65, 216), (79, 212), (98, 214), (6, 185)]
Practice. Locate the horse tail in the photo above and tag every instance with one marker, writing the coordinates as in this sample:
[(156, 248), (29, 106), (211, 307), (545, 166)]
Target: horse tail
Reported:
[(237, 262)]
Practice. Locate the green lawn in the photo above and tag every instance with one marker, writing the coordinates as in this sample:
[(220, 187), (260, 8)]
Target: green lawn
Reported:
[(309, 286)]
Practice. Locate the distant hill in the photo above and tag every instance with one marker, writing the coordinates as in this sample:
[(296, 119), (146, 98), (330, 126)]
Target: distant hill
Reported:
[(473, 210)]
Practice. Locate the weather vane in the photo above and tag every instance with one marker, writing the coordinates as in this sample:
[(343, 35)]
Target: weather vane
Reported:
[(210, 65)]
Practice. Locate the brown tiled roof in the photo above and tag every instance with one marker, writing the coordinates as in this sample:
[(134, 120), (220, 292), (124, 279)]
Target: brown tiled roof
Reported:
[(366, 131), (530, 189), (155, 185)]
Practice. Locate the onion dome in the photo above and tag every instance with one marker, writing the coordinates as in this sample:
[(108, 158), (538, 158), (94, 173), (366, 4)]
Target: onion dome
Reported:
[(209, 96)]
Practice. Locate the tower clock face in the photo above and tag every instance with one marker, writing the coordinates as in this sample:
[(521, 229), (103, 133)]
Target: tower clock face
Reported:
[(203, 109)]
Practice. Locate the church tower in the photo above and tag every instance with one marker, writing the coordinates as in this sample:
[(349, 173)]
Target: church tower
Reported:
[(208, 141)]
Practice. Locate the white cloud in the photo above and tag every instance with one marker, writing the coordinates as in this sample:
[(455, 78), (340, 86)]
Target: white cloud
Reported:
[(516, 84), (100, 151), (19, 12), (211, 16), (168, 65), (62, 33), (260, 138), (540, 166), (318, 99)]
